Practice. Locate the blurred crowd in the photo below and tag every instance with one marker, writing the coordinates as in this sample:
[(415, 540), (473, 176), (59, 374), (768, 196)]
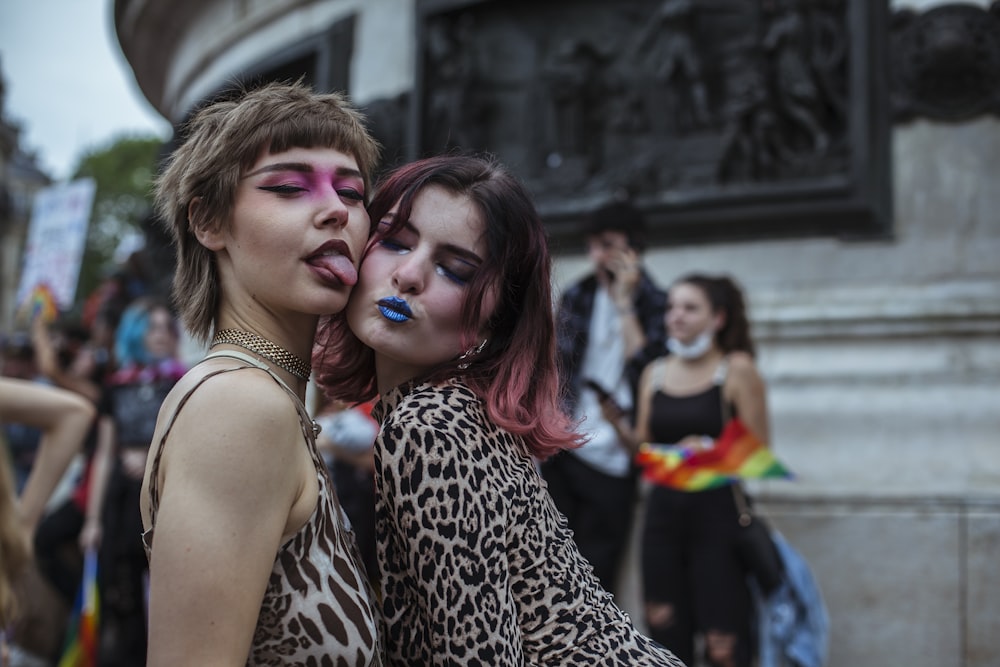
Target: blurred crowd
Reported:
[(641, 364), (123, 354)]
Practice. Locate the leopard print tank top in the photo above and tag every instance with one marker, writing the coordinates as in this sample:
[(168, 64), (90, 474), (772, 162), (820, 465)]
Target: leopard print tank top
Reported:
[(318, 608)]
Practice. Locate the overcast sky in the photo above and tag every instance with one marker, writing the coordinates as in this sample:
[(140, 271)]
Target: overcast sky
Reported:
[(68, 85)]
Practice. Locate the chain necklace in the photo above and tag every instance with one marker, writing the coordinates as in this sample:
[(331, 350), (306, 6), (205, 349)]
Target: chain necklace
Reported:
[(266, 349)]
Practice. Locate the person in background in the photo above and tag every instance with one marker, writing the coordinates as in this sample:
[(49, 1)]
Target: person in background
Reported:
[(43, 612), (146, 368), (694, 583), (346, 439), (251, 559), (22, 440), (63, 419), (451, 325), (605, 323), (66, 356), (14, 554)]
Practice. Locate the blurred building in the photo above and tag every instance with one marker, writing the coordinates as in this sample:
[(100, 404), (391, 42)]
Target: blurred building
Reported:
[(20, 179), (879, 342)]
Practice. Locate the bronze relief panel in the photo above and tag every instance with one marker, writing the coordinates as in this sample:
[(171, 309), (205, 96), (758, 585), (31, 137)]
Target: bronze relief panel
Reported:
[(720, 118)]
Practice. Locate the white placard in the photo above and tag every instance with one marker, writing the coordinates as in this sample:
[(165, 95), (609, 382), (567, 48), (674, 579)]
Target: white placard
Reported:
[(56, 238)]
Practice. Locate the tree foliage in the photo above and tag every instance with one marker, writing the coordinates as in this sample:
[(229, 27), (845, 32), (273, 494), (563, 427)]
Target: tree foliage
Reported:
[(123, 170)]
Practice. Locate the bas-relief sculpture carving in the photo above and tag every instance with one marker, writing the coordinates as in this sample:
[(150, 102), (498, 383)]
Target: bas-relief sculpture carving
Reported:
[(674, 102), (945, 63)]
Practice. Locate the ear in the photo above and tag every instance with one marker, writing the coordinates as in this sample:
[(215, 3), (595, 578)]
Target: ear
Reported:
[(209, 236), (719, 321)]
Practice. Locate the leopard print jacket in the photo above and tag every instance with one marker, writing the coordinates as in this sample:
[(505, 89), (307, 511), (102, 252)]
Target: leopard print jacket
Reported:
[(318, 607), (477, 565)]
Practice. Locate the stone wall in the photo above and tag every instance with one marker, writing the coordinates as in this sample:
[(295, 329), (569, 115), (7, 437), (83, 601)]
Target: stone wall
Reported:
[(881, 356), (883, 363)]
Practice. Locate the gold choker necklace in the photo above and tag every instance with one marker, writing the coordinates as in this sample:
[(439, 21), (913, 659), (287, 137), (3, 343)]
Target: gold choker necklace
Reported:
[(264, 348)]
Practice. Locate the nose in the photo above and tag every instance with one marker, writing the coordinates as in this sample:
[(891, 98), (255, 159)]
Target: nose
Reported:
[(409, 275), (332, 211)]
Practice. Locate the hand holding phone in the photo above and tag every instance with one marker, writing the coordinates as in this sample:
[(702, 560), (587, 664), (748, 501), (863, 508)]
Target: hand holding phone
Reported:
[(605, 397)]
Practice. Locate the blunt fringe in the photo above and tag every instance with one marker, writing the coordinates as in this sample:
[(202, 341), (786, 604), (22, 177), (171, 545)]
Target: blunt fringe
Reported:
[(220, 142), (515, 375)]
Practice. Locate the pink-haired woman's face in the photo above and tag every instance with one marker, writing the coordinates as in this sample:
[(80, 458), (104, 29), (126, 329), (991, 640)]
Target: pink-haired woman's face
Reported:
[(407, 305)]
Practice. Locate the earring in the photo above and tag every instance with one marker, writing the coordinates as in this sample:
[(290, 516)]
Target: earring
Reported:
[(471, 352)]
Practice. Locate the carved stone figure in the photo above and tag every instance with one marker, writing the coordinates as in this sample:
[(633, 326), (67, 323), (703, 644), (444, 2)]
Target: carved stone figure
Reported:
[(455, 98), (796, 93), (574, 81), (669, 37), (685, 104), (946, 62)]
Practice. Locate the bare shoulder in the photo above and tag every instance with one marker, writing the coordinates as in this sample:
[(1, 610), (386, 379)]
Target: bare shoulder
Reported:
[(652, 370), (743, 371), (243, 411), (741, 362)]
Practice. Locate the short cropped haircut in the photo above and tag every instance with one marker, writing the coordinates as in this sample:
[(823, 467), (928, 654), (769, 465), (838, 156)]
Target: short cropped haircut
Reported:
[(515, 375), (221, 142)]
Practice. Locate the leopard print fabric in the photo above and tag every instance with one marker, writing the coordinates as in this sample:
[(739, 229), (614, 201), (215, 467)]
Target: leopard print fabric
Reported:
[(317, 609), (477, 565)]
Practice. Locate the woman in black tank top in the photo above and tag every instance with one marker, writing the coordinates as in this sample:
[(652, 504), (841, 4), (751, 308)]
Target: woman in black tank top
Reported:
[(694, 585)]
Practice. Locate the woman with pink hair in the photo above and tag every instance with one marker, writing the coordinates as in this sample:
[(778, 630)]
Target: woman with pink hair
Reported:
[(451, 325)]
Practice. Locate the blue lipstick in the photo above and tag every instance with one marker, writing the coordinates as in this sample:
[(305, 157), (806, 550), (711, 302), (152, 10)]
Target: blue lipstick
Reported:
[(394, 309)]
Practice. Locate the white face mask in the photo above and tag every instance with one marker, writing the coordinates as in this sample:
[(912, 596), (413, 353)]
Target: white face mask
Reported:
[(693, 350)]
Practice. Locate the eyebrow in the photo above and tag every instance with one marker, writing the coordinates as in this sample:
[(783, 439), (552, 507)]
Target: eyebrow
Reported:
[(303, 167)]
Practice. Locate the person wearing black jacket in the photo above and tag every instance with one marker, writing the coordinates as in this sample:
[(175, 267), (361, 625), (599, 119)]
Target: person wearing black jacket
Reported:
[(607, 324)]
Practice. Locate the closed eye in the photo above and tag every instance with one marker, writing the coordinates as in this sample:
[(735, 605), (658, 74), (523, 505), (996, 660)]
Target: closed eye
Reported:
[(392, 244), (285, 190), (352, 194), (457, 278)]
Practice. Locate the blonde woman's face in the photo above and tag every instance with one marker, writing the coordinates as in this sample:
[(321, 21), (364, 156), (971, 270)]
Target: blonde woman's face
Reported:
[(297, 234)]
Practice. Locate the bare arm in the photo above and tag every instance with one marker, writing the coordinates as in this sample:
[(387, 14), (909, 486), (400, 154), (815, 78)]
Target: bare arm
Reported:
[(746, 389), (64, 419), (100, 471), (632, 436), (46, 358), (234, 483)]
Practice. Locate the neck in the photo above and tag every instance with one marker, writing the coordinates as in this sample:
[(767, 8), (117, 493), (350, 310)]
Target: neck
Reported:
[(388, 376), (710, 358), (265, 349)]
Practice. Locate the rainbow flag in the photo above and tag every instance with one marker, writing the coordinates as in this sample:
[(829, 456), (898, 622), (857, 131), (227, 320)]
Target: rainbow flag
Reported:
[(735, 454), (80, 648), (41, 303)]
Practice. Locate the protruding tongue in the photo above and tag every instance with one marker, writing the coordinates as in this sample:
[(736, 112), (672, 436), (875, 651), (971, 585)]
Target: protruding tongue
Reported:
[(339, 266)]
